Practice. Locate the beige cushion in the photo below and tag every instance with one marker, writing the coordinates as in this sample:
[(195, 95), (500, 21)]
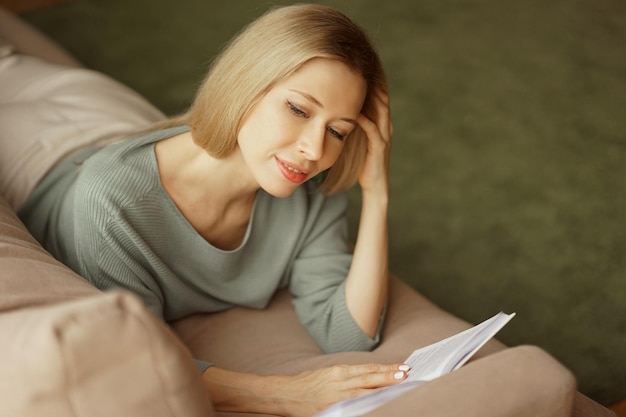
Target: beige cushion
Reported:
[(104, 355), (273, 340), (521, 381), (29, 276)]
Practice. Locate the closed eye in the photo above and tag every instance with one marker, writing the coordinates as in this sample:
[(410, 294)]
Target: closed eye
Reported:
[(301, 113), (296, 110), (336, 134)]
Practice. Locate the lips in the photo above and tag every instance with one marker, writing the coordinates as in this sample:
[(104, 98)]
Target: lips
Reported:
[(292, 172)]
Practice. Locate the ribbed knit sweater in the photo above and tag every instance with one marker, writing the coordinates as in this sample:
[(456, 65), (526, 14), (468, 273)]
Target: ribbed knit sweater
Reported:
[(105, 214)]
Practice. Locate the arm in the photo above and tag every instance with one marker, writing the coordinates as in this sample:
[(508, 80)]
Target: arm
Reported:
[(245, 392), (113, 262), (367, 281), (282, 394), (318, 278)]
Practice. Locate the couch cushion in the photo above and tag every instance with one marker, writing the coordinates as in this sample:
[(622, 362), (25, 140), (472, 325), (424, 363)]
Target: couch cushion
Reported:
[(29, 275), (272, 341), (105, 355), (281, 344)]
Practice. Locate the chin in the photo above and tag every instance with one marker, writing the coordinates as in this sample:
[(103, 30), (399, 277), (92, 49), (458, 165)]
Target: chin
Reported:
[(280, 191)]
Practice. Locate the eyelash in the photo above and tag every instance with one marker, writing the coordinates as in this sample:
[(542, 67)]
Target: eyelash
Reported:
[(297, 110), (301, 113), (336, 134)]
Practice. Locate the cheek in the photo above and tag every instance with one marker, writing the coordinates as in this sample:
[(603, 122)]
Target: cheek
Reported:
[(332, 153)]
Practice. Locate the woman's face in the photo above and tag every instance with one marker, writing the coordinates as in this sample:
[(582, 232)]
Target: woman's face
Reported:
[(298, 128)]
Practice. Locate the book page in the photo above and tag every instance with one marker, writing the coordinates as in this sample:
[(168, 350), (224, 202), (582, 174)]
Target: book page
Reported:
[(451, 353), (426, 363), (368, 402)]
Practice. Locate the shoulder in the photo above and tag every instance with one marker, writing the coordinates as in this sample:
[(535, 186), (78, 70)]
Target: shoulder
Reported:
[(122, 173), (137, 147)]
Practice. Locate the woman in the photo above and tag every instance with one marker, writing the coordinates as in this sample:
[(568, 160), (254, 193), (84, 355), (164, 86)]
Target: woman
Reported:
[(223, 205)]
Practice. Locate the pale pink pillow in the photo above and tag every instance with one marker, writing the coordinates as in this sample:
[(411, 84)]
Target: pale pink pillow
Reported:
[(104, 355)]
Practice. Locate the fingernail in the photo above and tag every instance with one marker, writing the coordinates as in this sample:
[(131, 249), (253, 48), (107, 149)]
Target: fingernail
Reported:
[(404, 368), (398, 375)]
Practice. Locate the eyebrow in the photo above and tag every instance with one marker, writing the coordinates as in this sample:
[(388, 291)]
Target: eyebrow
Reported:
[(317, 103)]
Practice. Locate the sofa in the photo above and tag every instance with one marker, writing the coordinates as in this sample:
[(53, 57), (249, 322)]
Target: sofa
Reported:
[(70, 350)]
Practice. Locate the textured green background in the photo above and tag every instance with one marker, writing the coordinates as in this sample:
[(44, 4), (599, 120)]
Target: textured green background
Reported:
[(509, 170)]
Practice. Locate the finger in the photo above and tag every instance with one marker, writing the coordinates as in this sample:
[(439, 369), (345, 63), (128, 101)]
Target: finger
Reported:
[(376, 144), (368, 368), (374, 137), (383, 115), (378, 380), (385, 121), (348, 371), (372, 375), (368, 125), (383, 96)]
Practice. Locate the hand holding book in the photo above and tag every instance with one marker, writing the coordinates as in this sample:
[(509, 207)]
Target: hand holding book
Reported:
[(427, 363)]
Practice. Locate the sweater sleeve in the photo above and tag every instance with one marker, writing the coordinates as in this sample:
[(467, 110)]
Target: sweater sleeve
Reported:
[(318, 279), (110, 259)]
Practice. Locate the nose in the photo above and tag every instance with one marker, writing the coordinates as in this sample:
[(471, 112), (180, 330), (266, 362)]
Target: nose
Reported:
[(311, 143)]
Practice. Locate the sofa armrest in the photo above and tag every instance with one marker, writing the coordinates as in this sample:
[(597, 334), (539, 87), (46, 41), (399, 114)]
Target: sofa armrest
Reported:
[(30, 276), (105, 355)]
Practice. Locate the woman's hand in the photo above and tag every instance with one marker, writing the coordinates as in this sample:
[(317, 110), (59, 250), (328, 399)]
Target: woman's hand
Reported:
[(325, 387), (300, 395), (374, 176)]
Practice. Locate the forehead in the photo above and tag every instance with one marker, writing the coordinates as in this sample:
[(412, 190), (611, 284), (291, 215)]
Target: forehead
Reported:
[(330, 82)]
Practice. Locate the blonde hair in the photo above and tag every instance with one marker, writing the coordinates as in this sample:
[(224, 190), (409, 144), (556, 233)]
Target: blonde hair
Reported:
[(269, 50)]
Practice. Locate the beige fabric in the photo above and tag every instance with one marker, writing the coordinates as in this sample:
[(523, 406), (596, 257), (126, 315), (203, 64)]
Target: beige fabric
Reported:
[(522, 381), (48, 112), (273, 341), (237, 336), (50, 107), (100, 356), (29, 276), (31, 41)]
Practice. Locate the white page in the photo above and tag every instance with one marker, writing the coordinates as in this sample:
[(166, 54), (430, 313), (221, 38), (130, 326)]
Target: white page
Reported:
[(368, 402), (434, 360), (426, 363)]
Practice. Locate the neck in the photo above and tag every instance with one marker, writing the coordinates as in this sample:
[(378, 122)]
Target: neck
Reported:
[(190, 174)]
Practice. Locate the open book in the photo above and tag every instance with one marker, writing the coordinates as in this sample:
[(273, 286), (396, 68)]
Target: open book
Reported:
[(426, 363)]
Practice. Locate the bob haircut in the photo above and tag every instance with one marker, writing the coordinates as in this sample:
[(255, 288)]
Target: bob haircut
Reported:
[(266, 52)]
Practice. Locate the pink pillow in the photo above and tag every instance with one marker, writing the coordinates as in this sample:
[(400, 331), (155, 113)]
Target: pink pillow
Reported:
[(105, 355), (29, 275)]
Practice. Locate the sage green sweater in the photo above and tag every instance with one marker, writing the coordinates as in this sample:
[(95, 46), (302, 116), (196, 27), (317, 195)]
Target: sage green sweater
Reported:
[(111, 221)]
